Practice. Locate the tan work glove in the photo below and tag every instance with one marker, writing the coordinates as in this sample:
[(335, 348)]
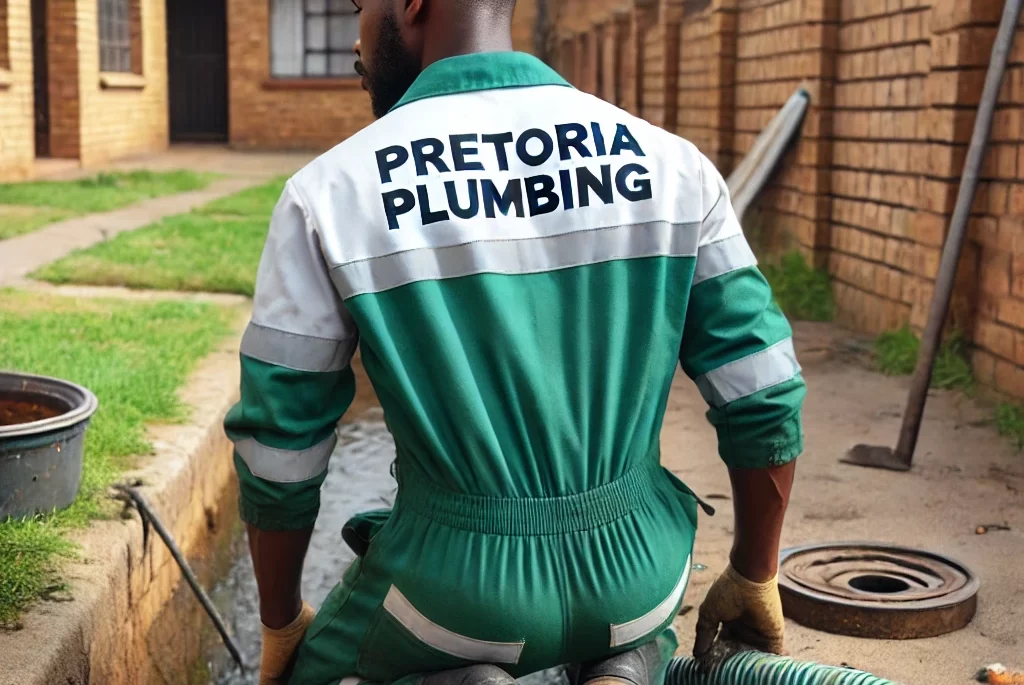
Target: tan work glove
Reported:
[(279, 646), (748, 612)]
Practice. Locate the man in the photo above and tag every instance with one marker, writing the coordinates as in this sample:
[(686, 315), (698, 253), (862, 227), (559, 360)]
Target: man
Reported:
[(521, 265)]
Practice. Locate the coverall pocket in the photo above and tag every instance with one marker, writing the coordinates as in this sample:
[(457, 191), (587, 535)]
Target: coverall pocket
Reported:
[(389, 652), (335, 601), (690, 499), (362, 528)]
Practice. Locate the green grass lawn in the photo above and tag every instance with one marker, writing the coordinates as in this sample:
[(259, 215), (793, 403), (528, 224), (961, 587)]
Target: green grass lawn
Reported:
[(18, 220), (215, 248), (25, 207), (256, 202), (135, 357)]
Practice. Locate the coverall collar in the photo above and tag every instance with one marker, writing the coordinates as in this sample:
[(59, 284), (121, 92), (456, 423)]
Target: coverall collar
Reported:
[(480, 71)]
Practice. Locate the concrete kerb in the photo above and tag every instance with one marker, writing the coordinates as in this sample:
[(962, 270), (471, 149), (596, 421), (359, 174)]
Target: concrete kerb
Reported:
[(122, 585)]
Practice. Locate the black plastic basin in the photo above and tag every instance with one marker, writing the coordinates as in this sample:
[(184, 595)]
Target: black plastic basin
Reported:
[(42, 433)]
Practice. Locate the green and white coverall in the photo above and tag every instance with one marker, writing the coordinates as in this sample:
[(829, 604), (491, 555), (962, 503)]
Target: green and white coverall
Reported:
[(521, 265)]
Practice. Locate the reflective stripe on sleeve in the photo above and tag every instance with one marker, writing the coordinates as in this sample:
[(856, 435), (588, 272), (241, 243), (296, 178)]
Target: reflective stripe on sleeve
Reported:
[(751, 374), (719, 258), (295, 351), (286, 466)]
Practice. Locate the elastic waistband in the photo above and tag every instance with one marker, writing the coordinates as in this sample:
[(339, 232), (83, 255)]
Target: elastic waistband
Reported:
[(529, 516)]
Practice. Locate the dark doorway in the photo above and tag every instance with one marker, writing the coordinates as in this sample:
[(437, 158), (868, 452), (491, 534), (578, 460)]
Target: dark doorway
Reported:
[(41, 78), (197, 64)]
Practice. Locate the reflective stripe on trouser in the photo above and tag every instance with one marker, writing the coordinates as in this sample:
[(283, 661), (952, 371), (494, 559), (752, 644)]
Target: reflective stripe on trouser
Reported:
[(527, 584)]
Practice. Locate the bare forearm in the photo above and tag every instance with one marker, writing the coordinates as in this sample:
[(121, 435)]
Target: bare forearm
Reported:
[(760, 499), (277, 559)]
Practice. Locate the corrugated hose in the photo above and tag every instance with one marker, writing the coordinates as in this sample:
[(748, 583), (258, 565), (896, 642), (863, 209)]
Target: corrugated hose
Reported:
[(756, 668)]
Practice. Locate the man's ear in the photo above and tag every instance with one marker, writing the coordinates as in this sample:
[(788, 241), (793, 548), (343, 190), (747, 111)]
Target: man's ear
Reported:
[(415, 11)]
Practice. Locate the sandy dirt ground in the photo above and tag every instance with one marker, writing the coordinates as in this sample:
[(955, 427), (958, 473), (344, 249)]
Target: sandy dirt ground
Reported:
[(965, 475)]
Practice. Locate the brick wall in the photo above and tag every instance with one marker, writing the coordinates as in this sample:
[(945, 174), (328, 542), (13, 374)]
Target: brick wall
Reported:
[(17, 144), (297, 114), (869, 189), (126, 116)]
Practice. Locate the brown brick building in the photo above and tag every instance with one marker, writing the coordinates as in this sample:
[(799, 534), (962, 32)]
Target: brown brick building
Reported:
[(93, 80), (869, 189)]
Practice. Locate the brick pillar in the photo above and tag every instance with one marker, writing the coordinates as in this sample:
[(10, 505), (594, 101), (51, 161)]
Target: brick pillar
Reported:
[(660, 93), (620, 40), (707, 75), (812, 172), (65, 96), (564, 58), (591, 81), (723, 79), (609, 66), (801, 38), (642, 16)]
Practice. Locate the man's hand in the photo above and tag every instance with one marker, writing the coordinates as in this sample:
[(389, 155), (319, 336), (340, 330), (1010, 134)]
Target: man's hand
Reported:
[(748, 612), (279, 647)]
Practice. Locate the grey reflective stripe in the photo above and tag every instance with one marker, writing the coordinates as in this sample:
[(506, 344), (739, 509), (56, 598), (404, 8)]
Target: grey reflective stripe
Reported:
[(444, 640), (625, 633), (351, 680), (749, 375), (285, 466), (294, 351), (521, 256), (723, 256)]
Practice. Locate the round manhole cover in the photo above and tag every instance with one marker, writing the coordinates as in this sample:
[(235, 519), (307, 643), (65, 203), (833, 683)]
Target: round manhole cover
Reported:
[(875, 590)]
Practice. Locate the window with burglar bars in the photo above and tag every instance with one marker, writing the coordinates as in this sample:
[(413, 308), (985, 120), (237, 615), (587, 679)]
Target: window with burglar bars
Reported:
[(313, 38), (115, 35)]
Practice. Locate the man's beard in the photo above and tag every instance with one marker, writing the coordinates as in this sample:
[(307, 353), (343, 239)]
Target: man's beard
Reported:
[(394, 68)]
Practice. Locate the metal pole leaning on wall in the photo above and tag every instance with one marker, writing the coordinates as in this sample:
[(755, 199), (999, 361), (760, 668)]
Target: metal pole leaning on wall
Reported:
[(922, 379)]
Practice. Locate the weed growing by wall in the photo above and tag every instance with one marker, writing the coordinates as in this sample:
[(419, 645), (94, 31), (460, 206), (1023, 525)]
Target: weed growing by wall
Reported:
[(803, 292)]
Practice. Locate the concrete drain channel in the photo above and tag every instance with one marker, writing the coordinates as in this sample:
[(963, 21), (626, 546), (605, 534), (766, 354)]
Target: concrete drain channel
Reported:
[(876, 591)]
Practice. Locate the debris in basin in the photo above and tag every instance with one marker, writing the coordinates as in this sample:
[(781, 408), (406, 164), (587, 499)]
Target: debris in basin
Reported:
[(14, 412)]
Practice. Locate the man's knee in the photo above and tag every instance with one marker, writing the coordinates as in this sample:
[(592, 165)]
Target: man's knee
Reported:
[(635, 667), (481, 674)]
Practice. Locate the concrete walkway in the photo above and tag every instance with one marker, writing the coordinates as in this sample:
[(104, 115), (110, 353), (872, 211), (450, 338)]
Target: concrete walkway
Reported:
[(22, 255)]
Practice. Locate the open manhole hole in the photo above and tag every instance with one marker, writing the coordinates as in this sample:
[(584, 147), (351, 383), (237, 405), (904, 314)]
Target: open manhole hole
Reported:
[(875, 590)]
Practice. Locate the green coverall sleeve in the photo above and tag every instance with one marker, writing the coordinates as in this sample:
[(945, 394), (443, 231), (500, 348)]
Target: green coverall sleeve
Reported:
[(296, 379), (737, 345)]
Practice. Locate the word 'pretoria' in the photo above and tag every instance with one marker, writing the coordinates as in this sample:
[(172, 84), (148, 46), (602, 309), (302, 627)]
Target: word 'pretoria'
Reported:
[(528, 196)]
